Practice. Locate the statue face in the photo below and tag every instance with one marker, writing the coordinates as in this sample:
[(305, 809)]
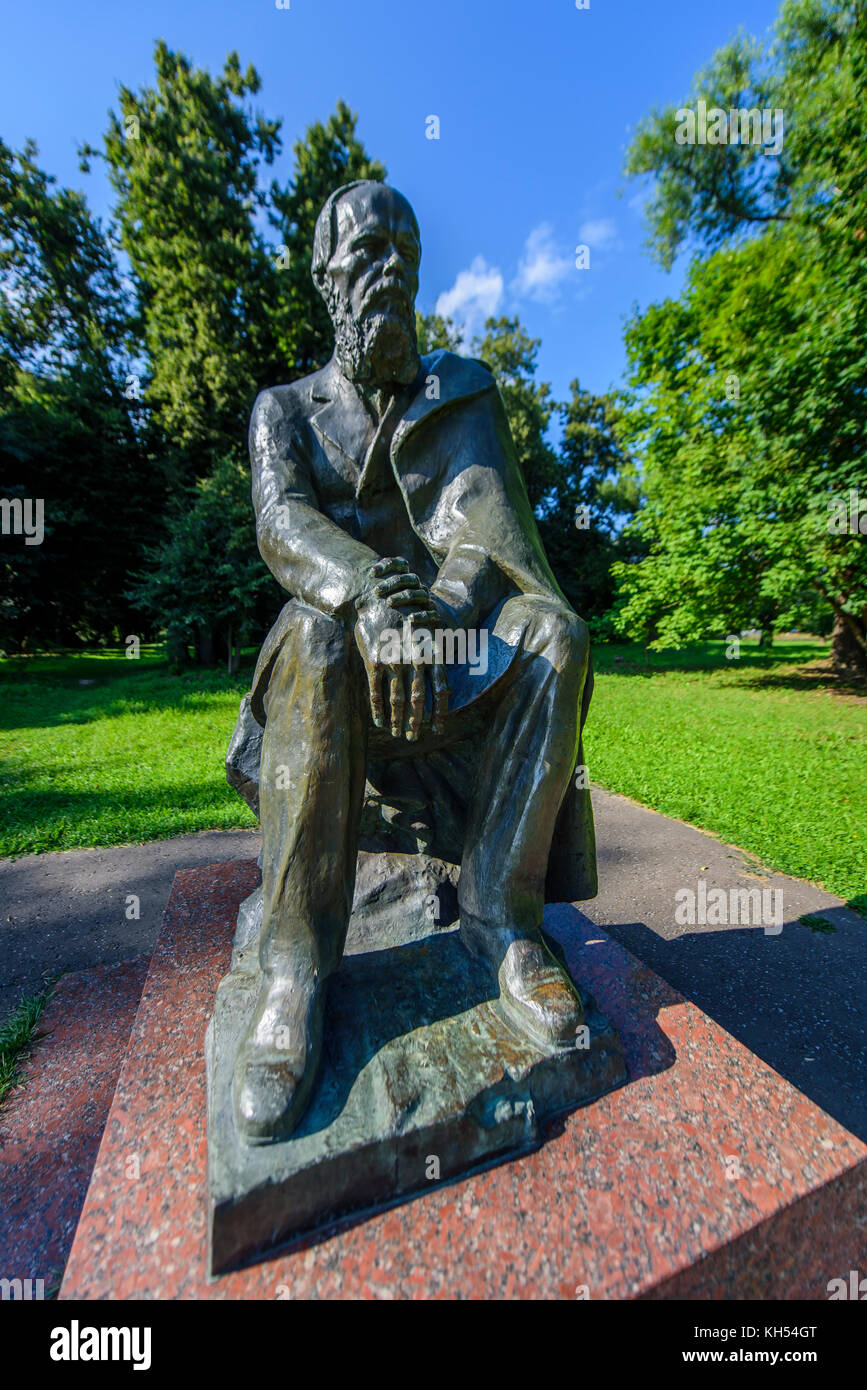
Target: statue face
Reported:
[(372, 284), (375, 263)]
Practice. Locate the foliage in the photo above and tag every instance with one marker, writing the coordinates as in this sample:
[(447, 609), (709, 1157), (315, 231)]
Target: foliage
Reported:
[(748, 408), (69, 439), (581, 491), (207, 577)]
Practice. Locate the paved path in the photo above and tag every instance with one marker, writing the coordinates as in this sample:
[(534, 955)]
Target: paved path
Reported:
[(797, 998), (61, 912)]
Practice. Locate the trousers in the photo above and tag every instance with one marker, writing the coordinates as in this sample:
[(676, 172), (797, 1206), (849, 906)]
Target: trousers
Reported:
[(319, 737)]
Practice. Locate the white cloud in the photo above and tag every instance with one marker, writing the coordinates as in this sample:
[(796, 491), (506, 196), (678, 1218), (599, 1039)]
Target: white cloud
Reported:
[(475, 296), (542, 268), (598, 233)]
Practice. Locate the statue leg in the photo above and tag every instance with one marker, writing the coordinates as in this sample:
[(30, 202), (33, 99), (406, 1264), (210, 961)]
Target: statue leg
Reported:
[(523, 773), (311, 787)]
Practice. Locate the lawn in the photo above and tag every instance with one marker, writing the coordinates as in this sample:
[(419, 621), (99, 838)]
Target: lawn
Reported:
[(762, 751), (753, 750), (136, 754)]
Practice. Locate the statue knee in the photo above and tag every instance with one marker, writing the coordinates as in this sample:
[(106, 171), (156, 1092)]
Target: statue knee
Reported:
[(316, 648), (559, 635), (317, 642)]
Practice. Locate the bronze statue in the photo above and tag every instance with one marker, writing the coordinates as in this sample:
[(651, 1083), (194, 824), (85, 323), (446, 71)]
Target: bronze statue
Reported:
[(425, 648)]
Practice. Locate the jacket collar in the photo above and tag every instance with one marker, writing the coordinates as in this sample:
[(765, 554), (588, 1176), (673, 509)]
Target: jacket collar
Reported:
[(341, 418)]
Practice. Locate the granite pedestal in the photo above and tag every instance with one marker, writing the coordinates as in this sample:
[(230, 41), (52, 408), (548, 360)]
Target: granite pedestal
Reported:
[(706, 1176), (421, 1080)]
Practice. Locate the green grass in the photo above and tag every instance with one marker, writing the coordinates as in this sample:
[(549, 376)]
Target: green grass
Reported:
[(137, 755), (760, 751), (16, 1034), (764, 752)]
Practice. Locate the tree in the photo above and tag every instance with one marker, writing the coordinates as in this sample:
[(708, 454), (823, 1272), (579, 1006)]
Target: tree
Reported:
[(595, 492), (184, 158), (748, 406), (206, 583), (581, 492), (221, 312), (509, 351), (437, 333), (69, 438)]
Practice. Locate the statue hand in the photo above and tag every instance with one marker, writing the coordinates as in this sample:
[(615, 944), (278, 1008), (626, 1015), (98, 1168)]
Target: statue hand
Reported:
[(391, 598)]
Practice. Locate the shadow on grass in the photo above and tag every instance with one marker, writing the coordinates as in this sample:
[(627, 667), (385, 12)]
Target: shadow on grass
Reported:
[(805, 664), (37, 820), (818, 676), (45, 705)]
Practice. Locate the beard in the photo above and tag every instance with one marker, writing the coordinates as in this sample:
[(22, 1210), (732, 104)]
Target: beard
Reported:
[(377, 349)]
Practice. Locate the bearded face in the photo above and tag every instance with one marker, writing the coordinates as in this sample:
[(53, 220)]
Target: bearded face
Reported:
[(370, 286)]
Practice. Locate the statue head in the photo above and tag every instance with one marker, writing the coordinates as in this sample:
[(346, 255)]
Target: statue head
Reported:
[(366, 252)]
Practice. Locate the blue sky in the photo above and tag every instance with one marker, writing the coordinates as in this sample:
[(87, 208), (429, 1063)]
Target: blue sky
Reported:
[(535, 102)]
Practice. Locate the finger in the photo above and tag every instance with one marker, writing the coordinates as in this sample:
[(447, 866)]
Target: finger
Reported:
[(416, 704), (396, 582), (440, 692), (412, 598), (397, 699), (424, 617), (377, 701), (393, 564)]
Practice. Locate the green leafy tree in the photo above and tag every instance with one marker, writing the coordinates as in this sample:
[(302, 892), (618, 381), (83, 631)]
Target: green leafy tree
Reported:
[(748, 408), (595, 493), (70, 439), (509, 351), (437, 333), (184, 158), (206, 584), (583, 490)]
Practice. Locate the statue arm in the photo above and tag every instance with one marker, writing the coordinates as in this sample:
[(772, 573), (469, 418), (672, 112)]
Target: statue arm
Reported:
[(495, 550), (307, 553)]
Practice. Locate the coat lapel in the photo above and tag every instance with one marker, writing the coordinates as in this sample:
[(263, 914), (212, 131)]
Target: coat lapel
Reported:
[(446, 378), (344, 425), (340, 419)]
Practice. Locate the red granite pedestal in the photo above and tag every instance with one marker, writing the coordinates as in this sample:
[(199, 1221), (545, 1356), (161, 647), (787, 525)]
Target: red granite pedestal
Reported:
[(706, 1176), (51, 1127)]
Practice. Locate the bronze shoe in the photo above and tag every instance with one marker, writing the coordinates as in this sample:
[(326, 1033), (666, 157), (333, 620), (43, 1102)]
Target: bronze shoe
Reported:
[(278, 1059), (537, 996)]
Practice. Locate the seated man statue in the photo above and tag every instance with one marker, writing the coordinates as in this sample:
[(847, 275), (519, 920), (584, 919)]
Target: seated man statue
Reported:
[(391, 508)]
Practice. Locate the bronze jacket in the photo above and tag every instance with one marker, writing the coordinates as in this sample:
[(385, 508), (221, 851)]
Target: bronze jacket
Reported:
[(451, 451)]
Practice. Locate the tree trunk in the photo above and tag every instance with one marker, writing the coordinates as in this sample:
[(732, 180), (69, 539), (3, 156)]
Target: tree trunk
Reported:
[(847, 654), (233, 650), (178, 652), (205, 646)]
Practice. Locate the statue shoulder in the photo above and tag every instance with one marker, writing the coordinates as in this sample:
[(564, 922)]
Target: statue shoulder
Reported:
[(282, 412), (281, 403), (465, 375)]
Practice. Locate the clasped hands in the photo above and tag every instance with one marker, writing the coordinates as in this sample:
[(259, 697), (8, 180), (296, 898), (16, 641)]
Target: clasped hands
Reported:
[(392, 596)]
